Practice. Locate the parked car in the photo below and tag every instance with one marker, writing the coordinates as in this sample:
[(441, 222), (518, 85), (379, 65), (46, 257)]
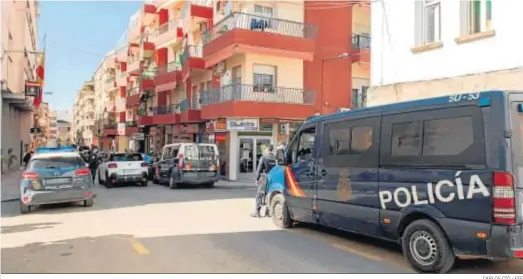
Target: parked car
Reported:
[(188, 163), (55, 175), (122, 168)]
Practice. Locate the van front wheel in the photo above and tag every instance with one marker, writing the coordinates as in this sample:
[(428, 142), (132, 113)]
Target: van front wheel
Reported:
[(426, 247), (279, 212)]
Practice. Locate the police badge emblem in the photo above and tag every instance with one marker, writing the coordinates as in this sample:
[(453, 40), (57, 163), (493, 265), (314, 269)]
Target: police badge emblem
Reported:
[(344, 185)]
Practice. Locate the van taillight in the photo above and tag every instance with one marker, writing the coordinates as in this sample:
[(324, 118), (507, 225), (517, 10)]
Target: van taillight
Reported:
[(29, 175), (180, 161), (112, 165), (144, 164), (84, 171), (503, 202), (217, 158)]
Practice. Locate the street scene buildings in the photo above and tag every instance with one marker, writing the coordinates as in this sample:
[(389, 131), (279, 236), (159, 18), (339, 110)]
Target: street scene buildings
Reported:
[(19, 60), (236, 73)]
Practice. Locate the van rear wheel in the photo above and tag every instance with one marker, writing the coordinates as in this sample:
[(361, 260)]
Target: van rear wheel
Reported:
[(426, 247)]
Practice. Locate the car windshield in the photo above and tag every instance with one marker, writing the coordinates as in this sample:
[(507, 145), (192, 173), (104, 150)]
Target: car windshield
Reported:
[(126, 157), (56, 163)]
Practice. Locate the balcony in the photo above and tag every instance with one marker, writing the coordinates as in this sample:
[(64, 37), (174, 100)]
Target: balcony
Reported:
[(133, 97), (166, 115), (147, 79), (246, 33), (360, 48), (110, 129), (148, 14), (242, 100), (131, 123), (198, 10), (167, 76), (147, 45), (189, 111), (121, 79), (191, 58), (168, 33), (133, 65)]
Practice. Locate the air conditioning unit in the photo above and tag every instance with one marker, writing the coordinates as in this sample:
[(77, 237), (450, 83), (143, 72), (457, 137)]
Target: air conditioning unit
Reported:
[(220, 68)]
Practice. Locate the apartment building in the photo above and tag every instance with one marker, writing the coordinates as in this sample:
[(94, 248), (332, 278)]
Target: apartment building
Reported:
[(64, 131), (432, 48), (43, 123), (83, 123), (19, 35), (52, 140), (237, 73)]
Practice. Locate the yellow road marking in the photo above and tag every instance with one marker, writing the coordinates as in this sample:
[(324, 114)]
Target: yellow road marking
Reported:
[(139, 248), (360, 253)]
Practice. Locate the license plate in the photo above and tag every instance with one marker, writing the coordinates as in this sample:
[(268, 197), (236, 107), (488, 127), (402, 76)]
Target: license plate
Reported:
[(58, 187), (129, 171), (57, 181)]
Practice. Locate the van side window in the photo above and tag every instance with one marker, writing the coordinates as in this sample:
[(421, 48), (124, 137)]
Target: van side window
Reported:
[(406, 139), (339, 141), (361, 140), (349, 143), (449, 136), (305, 145)]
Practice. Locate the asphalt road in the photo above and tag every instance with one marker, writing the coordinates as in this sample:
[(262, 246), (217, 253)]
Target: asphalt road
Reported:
[(157, 230)]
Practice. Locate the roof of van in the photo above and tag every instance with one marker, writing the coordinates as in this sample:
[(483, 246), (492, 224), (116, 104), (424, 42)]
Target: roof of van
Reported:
[(437, 101)]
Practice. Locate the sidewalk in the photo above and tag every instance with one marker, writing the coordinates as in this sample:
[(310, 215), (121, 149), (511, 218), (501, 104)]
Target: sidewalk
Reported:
[(10, 186), (235, 184)]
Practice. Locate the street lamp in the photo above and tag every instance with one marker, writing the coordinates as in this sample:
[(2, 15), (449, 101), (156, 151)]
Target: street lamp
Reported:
[(337, 57)]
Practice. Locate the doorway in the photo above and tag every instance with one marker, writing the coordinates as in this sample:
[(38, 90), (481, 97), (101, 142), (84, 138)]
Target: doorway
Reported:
[(251, 148)]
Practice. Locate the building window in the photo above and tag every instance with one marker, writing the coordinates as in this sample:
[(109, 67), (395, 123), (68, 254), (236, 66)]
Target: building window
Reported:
[(359, 97), (476, 16), (264, 11), (428, 22), (264, 78)]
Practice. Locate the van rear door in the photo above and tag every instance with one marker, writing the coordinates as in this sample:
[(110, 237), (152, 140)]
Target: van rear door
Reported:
[(200, 157), (515, 197)]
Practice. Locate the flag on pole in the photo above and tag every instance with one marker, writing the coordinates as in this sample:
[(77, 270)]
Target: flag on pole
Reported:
[(40, 74)]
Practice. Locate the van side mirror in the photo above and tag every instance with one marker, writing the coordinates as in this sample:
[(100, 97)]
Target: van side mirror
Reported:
[(280, 157)]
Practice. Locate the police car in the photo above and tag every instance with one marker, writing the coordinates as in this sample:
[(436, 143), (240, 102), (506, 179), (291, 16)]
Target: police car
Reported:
[(443, 177), (55, 175)]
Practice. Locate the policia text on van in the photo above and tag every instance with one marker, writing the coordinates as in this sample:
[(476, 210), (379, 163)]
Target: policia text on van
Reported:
[(442, 176)]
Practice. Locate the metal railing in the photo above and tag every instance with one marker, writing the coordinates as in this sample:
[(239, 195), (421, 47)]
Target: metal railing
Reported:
[(360, 41), (237, 20), (204, 3), (149, 73), (132, 123), (167, 109), (133, 91), (191, 51), (109, 79), (169, 67), (110, 126), (196, 100), (256, 93)]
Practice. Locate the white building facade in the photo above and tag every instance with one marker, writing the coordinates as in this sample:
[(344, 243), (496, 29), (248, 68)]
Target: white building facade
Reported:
[(427, 48)]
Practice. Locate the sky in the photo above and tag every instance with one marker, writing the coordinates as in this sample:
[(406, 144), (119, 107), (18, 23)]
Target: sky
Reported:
[(79, 34)]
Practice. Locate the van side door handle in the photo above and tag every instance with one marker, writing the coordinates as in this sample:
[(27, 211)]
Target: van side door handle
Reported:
[(324, 172)]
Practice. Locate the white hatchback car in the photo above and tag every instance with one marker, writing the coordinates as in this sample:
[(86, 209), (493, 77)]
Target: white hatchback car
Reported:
[(123, 168)]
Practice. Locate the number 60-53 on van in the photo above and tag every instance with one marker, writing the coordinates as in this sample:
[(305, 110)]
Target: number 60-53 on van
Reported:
[(443, 177)]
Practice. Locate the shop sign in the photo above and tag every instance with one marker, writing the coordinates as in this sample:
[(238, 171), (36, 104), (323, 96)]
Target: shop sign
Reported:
[(121, 129), (220, 125), (138, 136), (245, 124)]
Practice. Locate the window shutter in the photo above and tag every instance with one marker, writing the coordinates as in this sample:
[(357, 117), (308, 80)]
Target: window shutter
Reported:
[(418, 23), (464, 17)]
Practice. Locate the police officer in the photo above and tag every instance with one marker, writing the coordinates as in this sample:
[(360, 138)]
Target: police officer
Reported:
[(266, 163), (93, 160)]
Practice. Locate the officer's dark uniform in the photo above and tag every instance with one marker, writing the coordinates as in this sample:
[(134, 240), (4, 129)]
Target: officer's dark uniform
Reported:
[(93, 163), (265, 164)]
